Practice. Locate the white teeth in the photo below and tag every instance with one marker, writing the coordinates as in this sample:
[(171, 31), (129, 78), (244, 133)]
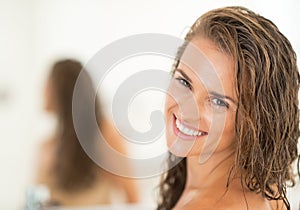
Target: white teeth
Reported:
[(187, 131)]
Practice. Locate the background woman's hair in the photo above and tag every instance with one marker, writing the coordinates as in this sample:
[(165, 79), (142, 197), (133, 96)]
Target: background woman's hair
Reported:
[(73, 170), (267, 118)]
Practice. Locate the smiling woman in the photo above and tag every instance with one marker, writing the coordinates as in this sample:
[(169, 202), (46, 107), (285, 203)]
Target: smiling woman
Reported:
[(237, 130)]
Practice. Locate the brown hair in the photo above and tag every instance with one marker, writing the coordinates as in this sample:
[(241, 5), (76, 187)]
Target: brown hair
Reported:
[(73, 169), (267, 117)]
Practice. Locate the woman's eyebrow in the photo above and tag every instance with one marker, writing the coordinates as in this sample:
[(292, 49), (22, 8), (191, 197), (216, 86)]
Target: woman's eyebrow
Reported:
[(218, 95), (184, 75)]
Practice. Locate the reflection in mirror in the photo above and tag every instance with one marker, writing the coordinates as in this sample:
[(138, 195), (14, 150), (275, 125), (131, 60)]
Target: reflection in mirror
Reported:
[(66, 176)]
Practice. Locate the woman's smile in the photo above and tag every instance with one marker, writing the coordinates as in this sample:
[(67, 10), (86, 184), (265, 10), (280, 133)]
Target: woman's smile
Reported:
[(185, 131)]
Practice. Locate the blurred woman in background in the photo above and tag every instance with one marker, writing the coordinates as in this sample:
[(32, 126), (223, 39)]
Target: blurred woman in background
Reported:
[(64, 167)]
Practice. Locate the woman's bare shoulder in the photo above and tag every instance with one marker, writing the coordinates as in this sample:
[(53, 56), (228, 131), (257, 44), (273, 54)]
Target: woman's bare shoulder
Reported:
[(44, 160), (113, 136), (228, 205), (249, 201), (231, 200), (244, 204), (46, 149)]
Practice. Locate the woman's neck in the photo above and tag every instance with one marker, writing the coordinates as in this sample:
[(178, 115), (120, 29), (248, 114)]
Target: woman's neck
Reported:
[(214, 171)]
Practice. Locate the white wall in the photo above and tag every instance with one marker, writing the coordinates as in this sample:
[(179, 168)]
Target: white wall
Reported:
[(17, 101), (34, 33)]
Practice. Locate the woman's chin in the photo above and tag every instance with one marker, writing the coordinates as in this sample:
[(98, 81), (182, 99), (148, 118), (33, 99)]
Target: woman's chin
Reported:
[(178, 149)]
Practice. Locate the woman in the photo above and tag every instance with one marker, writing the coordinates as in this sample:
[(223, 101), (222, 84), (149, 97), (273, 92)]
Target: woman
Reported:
[(64, 167), (239, 139)]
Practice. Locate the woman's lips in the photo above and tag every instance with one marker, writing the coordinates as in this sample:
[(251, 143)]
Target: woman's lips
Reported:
[(186, 132)]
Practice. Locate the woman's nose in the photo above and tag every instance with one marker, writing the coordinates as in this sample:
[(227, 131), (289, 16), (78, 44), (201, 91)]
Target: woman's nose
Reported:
[(191, 110)]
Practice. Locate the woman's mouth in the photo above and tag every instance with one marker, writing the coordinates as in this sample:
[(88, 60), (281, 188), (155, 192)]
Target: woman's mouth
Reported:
[(186, 132)]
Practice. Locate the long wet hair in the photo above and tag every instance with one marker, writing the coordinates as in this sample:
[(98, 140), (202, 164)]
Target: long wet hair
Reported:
[(73, 170), (267, 117)]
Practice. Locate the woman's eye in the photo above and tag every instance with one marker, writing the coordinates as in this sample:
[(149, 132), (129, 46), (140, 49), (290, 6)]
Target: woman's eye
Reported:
[(184, 82), (219, 102)]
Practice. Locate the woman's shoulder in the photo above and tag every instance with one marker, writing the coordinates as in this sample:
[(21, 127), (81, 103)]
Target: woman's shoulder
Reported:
[(244, 203), (226, 204), (47, 143), (240, 197), (44, 160), (245, 199), (113, 136), (230, 200), (46, 149)]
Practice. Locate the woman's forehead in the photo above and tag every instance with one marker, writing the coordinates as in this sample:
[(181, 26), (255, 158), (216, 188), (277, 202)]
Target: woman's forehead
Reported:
[(208, 64)]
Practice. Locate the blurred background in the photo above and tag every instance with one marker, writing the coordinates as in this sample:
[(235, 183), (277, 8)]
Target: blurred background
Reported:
[(35, 33)]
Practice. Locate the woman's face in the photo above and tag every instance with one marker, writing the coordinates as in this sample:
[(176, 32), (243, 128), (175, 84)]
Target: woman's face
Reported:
[(201, 103)]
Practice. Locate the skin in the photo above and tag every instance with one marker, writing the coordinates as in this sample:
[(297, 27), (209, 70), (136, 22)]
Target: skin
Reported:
[(199, 108), (215, 116)]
